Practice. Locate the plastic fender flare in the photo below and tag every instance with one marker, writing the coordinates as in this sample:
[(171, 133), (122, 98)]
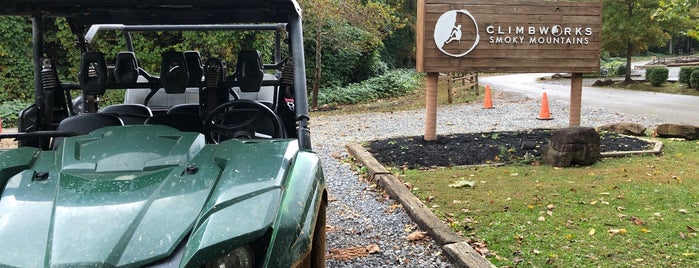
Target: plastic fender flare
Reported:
[(293, 229)]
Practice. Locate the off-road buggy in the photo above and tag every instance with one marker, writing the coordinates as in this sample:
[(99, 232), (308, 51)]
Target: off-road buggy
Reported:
[(199, 167)]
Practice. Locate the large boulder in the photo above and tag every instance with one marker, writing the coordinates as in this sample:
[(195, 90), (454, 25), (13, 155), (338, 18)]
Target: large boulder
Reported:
[(574, 146), (677, 131), (624, 128)]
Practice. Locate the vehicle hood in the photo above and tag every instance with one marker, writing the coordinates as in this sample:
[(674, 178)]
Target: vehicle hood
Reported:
[(128, 196)]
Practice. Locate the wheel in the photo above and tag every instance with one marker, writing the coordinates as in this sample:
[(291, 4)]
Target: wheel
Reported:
[(244, 119), (318, 250), (317, 257)]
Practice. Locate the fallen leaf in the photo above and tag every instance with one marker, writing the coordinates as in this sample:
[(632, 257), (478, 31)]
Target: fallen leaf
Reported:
[(549, 212), (462, 183), (592, 232), (691, 229), (408, 185), (331, 198), (620, 208), (417, 235), (541, 218), (637, 221), (613, 232), (373, 249), (456, 201), (347, 253), (518, 239), (688, 254), (550, 207), (683, 211), (682, 235), (645, 231)]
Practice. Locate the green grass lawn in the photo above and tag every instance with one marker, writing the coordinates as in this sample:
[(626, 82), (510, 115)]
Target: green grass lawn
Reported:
[(412, 101), (671, 88), (623, 212)]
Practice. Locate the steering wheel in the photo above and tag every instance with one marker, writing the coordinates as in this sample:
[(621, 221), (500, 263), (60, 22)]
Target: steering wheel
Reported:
[(244, 119)]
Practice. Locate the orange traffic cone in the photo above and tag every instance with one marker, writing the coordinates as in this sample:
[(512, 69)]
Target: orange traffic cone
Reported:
[(544, 113), (487, 100)]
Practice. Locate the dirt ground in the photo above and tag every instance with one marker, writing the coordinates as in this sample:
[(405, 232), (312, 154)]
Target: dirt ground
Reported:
[(480, 148), (8, 143)]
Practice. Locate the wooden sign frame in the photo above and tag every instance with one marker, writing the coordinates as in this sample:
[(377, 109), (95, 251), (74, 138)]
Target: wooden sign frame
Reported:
[(510, 36)]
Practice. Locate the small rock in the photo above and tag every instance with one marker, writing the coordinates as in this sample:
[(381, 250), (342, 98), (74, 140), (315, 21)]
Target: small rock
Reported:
[(624, 128)]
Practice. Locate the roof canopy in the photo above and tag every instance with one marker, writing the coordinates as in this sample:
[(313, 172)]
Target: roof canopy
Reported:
[(143, 12)]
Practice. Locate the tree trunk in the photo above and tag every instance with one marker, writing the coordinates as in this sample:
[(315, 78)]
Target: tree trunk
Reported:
[(316, 77), (629, 46), (629, 53)]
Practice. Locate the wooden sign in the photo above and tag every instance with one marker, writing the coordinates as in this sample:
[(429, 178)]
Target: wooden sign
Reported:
[(508, 36)]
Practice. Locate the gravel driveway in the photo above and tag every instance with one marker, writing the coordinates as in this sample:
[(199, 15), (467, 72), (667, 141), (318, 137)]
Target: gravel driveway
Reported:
[(360, 217)]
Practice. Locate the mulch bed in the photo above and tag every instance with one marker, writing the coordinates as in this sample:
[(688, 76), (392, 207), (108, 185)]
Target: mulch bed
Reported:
[(480, 148)]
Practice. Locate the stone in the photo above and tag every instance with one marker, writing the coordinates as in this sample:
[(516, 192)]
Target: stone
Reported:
[(624, 128), (603, 83), (677, 131), (574, 146)]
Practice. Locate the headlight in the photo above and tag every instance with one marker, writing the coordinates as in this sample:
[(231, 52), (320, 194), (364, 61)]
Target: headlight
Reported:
[(241, 257)]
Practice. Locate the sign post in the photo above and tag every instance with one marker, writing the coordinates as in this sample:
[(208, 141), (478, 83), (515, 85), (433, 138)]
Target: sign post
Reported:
[(507, 36)]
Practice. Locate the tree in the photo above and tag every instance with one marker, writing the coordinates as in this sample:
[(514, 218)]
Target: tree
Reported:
[(629, 28), (352, 31), (683, 12), (318, 14)]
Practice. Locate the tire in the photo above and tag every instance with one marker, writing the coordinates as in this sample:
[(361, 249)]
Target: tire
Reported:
[(318, 248), (317, 257)]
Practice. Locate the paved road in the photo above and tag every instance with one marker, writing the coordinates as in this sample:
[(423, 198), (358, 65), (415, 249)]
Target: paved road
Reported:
[(668, 108)]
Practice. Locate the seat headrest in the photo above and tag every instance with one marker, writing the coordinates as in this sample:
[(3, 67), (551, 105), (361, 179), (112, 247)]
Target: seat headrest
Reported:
[(173, 72), (126, 67), (194, 66), (248, 71), (93, 73)]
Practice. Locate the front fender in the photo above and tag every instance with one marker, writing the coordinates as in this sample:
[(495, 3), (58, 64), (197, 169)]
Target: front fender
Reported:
[(293, 228)]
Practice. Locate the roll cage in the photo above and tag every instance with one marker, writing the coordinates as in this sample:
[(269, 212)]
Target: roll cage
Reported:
[(86, 18)]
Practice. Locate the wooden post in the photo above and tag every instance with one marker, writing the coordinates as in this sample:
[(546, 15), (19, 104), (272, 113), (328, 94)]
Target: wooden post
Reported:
[(431, 107), (450, 90), (475, 84), (575, 99)]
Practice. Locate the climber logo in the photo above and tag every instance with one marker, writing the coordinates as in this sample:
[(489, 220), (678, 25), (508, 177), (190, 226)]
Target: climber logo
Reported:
[(456, 33)]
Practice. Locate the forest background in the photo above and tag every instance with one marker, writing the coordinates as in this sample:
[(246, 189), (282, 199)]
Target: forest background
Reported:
[(347, 43)]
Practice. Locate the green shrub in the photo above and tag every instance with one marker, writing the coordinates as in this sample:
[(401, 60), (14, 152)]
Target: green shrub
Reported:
[(685, 72), (620, 70), (694, 78), (394, 83), (656, 75), (9, 111), (614, 67)]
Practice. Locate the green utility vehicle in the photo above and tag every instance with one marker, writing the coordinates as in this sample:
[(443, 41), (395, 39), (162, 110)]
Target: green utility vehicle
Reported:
[(205, 164)]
